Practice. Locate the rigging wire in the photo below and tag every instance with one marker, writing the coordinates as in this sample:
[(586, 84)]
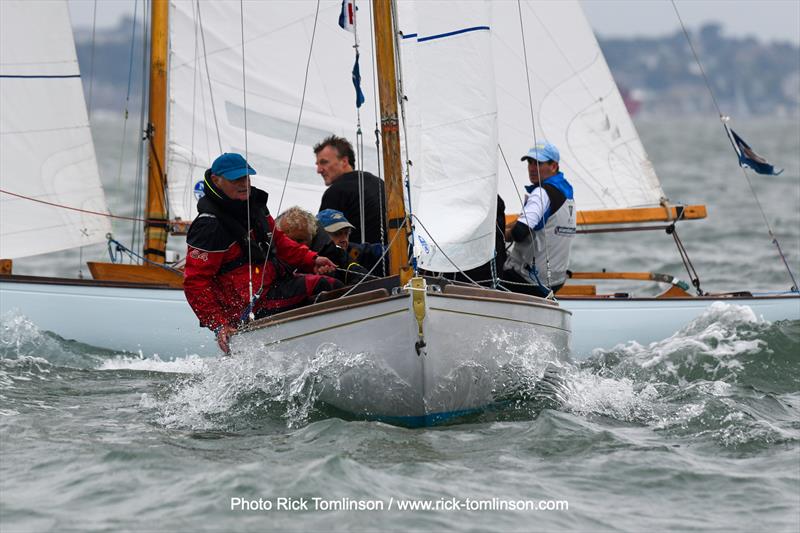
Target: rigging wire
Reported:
[(378, 153), (359, 140), (535, 142), (254, 297), (724, 119), (91, 60), (208, 75), (127, 92), (247, 164), (137, 232)]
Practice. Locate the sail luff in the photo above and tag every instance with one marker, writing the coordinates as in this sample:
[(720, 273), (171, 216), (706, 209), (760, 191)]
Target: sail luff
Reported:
[(155, 228)]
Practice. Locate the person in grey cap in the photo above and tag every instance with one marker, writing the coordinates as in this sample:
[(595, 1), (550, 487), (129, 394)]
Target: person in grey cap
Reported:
[(542, 235)]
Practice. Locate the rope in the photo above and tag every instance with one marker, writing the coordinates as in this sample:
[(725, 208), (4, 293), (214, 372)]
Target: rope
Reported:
[(724, 119), (379, 261), (85, 211), (442, 250)]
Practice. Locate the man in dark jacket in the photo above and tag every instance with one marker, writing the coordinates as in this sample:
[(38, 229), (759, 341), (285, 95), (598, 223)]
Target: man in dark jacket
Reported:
[(232, 242), (335, 162)]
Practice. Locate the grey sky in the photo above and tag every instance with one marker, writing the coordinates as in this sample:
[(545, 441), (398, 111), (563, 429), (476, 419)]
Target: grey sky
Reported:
[(766, 19)]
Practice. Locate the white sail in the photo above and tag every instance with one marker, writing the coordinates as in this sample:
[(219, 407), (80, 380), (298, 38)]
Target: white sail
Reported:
[(576, 106), (46, 149), (575, 102), (447, 60), (207, 96)]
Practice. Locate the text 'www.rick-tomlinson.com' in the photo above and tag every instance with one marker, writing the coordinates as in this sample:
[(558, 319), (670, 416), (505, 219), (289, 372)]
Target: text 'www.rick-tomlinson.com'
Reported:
[(392, 504)]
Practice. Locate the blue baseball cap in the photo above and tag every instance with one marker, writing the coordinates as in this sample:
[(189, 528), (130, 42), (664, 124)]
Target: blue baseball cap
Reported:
[(542, 152), (231, 167), (332, 220)]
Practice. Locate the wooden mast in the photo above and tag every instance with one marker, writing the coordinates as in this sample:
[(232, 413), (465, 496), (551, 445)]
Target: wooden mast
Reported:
[(155, 228), (392, 165)]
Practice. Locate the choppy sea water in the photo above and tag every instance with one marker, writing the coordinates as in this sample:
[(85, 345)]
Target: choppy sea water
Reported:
[(697, 431)]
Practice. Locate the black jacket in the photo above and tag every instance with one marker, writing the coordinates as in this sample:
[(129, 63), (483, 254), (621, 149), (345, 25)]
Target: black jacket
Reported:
[(342, 195)]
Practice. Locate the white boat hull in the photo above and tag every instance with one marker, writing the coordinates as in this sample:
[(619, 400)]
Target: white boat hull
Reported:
[(471, 347), (159, 321), (116, 316), (607, 322)]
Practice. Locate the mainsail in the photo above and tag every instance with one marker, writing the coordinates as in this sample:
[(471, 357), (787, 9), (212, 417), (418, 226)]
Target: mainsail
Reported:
[(574, 104), (207, 97), (46, 148)]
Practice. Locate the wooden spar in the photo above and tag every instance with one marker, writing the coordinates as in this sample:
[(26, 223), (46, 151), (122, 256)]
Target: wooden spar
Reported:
[(155, 228), (641, 214), (634, 215), (392, 165)]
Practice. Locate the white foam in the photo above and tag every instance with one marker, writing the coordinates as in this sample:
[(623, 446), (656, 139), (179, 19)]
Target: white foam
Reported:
[(192, 364)]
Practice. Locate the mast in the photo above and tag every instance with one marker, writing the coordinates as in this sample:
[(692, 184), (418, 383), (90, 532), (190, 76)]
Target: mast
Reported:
[(155, 227), (393, 172)]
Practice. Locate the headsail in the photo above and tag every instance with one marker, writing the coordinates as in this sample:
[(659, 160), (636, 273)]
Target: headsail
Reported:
[(46, 148), (448, 55)]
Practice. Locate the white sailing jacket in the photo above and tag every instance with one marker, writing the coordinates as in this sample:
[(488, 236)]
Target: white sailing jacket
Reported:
[(552, 234)]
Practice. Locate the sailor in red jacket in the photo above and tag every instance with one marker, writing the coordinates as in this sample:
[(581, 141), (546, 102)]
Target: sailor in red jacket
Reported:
[(223, 256)]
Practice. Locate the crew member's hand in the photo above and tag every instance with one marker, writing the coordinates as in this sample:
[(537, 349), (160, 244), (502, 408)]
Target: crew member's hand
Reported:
[(323, 265), (223, 338)]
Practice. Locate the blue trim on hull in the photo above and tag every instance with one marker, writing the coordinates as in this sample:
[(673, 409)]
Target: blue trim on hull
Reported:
[(428, 420)]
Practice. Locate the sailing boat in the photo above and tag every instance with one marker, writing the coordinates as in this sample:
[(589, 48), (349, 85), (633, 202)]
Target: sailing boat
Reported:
[(572, 95), (403, 324)]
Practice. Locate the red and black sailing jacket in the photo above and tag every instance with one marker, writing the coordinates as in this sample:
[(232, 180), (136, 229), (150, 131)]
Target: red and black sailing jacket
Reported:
[(216, 278)]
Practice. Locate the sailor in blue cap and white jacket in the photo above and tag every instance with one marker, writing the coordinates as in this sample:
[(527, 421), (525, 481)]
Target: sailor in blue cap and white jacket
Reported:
[(542, 236)]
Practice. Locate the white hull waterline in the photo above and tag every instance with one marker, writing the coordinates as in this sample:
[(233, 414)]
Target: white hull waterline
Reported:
[(136, 319), (472, 341)]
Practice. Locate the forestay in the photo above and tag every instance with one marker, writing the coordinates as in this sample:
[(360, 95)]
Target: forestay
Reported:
[(576, 105), (46, 149), (277, 35), (447, 62)]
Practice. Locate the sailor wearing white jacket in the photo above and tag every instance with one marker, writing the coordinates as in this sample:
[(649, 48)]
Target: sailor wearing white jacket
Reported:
[(542, 236)]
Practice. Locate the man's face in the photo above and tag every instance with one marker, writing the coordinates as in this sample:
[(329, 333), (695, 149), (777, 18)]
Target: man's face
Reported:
[(341, 238), (234, 189), (538, 171), (330, 166)]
